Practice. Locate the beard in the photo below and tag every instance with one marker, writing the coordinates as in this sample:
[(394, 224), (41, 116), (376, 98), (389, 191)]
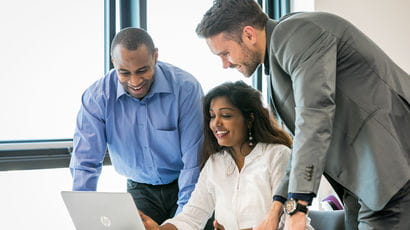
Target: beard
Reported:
[(250, 62)]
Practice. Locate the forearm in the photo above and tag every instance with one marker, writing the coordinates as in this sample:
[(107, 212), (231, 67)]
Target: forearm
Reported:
[(272, 218), (89, 148), (276, 208), (275, 212), (85, 179), (86, 163)]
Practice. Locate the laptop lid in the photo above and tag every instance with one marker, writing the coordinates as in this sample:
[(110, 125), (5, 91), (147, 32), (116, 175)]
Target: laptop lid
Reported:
[(102, 210)]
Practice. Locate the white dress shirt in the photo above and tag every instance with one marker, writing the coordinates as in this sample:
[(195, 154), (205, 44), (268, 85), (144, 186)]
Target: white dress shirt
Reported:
[(240, 199)]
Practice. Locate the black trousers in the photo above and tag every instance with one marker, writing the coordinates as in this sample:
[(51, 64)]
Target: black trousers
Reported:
[(157, 201), (394, 216)]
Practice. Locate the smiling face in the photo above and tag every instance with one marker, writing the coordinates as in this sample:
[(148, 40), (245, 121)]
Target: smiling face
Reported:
[(234, 54), (135, 69), (227, 124)]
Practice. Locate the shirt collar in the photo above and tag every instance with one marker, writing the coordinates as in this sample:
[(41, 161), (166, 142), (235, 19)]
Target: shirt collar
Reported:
[(270, 25), (160, 84), (255, 152)]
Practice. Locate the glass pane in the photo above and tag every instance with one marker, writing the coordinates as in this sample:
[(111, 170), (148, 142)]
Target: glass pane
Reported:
[(172, 26), (51, 51), (302, 5)]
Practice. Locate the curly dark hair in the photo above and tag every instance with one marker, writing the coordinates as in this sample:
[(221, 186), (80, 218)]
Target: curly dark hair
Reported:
[(249, 101)]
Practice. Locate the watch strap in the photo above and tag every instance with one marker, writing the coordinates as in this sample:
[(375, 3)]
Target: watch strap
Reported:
[(292, 206)]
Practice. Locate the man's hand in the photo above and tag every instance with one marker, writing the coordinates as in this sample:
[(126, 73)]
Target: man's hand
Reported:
[(296, 221), (272, 218)]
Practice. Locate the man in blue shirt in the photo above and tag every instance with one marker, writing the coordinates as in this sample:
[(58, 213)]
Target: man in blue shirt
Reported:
[(149, 116)]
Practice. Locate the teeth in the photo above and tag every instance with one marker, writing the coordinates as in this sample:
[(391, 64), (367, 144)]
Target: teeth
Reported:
[(136, 88), (221, 132)]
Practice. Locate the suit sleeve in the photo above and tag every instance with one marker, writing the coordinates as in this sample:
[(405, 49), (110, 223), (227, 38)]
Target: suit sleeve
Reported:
[(308, 54)]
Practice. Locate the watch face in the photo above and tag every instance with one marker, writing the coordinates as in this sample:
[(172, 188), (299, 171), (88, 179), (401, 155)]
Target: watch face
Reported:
[(290, 206)]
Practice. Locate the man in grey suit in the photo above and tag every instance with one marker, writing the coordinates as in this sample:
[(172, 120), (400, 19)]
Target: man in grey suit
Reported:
[(342, 97)]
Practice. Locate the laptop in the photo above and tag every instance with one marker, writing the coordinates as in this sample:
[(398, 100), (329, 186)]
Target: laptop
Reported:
[(102, 210)]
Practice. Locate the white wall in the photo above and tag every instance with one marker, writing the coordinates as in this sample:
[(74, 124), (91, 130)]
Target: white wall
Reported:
[(385, 22)]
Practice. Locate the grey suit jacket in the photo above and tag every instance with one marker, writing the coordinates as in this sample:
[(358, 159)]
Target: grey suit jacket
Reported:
[(346, 103)]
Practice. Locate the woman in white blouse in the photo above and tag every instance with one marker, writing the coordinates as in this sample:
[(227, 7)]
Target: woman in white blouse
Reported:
[(245, 157)]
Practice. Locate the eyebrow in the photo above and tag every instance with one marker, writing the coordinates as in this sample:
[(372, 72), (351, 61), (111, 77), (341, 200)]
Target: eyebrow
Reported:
[(227, 108), (222, 53), (139, 69)]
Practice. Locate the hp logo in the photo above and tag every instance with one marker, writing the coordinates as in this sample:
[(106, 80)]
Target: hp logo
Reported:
[(105, 221)]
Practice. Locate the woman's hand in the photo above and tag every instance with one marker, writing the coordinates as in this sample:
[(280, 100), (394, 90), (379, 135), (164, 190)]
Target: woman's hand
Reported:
[(149, 223), (218, 226)]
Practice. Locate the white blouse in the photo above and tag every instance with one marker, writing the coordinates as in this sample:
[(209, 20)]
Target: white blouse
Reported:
[(240, 199)]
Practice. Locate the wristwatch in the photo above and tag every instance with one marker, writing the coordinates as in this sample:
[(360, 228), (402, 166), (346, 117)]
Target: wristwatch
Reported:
[(292, 206)]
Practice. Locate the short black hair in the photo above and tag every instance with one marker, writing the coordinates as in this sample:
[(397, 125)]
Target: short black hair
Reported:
[(230, 16), (132, 38)]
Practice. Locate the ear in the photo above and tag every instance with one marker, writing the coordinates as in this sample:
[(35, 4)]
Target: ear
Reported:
[(115, 54), (114, 63), (249, 34), (156, 55)]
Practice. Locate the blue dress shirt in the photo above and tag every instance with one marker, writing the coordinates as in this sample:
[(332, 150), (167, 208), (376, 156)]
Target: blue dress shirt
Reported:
[(154, 140)]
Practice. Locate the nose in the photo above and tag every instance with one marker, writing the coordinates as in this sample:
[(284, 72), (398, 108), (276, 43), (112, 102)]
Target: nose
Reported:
[(217, 121), (225, 63), (134, 80)]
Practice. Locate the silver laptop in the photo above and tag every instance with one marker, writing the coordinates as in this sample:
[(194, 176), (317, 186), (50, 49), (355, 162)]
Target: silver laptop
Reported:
[(102, 210)]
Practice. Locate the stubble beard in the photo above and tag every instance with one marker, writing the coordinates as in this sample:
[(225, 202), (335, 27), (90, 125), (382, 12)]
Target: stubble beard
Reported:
[(251, 61)]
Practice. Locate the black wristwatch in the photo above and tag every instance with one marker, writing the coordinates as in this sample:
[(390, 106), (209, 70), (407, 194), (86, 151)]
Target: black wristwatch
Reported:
[(292, 206)]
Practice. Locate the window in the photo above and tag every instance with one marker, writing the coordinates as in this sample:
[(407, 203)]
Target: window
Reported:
[(51, 51), (173, 32)]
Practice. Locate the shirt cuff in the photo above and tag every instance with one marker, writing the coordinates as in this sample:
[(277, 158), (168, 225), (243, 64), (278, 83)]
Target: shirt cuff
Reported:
[(308, 197), (179, 209), (279, 198)]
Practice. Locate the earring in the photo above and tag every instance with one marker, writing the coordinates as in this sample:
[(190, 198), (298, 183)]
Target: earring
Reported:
[(250, 138)]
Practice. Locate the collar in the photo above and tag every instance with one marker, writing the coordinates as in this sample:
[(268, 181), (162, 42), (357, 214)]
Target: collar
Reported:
[(270, 25), (255, 152), (160, 84)]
